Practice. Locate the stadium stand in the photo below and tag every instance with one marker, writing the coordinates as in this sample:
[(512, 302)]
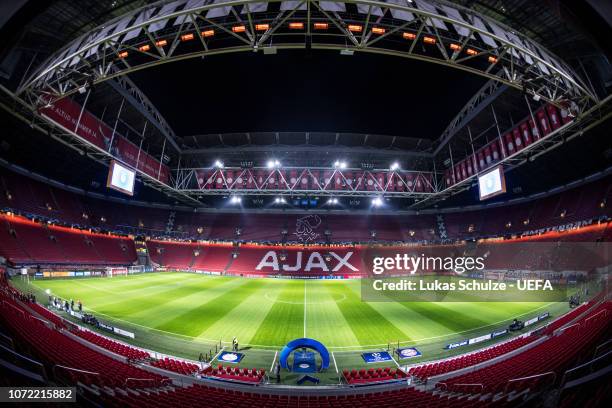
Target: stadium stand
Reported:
[(176, 366), (67, 358), (130, 353), (247, 375), (32, 198), (196, 395), (116, 384), (373, 375), (541, 364), (25, 241), (423, 372)]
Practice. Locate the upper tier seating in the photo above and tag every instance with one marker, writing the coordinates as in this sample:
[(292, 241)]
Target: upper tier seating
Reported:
[(25, 241), (33, 197)]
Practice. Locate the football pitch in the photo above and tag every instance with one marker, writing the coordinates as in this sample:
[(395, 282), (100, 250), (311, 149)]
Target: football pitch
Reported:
[(180, 313)]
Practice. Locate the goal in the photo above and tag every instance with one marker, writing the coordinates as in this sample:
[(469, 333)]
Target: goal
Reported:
[(111, 271)]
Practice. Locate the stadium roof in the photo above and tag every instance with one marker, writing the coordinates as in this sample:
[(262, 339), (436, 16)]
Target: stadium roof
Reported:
[(308, 107)]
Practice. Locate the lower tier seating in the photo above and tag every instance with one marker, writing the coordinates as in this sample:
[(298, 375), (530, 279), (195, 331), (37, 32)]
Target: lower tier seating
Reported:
[(131, 353), (66, 358), (176, 366), (372, 375), (236, 374), (429, 370), (539, 365), (203, 396)]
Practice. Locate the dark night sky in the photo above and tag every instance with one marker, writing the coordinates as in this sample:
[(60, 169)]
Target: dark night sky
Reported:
[(316, 91)]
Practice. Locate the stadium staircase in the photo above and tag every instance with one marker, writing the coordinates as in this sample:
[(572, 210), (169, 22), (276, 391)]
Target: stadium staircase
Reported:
[(170, 222)]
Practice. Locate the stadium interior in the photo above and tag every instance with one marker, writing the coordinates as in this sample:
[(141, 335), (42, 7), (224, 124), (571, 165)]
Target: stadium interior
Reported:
[(305, 204)]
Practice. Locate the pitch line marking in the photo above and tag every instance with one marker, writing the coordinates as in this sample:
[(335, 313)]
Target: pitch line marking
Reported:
[(305, 308), (273, 361), (345, 348), (335, 365), (268, 296)]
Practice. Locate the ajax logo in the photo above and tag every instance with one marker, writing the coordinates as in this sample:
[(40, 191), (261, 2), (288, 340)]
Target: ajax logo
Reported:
[(305, 228)]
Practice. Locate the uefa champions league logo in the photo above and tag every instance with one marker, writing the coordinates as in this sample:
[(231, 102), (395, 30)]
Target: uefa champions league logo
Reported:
[(410, 352), (305, 228), (230, 357)]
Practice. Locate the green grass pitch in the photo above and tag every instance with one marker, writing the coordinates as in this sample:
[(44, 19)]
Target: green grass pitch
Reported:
[(181, 313)]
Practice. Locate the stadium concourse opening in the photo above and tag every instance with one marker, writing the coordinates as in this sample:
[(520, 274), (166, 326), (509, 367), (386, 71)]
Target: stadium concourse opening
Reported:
[(364, 203)]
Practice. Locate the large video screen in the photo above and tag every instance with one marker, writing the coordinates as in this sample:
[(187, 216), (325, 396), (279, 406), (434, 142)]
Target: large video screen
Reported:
[(121, 178), (492, 183)]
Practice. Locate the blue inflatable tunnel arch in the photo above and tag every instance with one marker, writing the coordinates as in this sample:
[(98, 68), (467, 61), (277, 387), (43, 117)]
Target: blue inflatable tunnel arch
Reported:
[(304, 343)]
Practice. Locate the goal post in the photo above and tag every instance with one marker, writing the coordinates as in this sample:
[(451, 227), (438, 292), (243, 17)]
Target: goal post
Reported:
[(116, 271), (136, 269)]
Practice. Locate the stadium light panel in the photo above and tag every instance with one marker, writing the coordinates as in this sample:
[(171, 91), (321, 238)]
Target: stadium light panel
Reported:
[(378, 30), (208, 33), (239, 29), (471, 51), (273, 163), (123, 54), (262, 27), (296, 26), (455, 47), (409, 36), (161, 43), (144, 48), (187, 37), (429, 40), (355, 28), (492, 59), (321, 26)]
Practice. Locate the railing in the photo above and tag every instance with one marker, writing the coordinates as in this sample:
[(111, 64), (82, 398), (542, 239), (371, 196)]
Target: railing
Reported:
[(445, 385), (531, 377), (154, 382), (22, 364), (57, 374), (587, 368)]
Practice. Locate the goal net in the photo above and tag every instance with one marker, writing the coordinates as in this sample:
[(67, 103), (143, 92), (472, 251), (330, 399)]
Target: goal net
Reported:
[(110, 271)]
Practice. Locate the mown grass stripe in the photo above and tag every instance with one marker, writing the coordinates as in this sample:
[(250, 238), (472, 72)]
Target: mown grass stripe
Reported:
[(285, 319), (195, 321)]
